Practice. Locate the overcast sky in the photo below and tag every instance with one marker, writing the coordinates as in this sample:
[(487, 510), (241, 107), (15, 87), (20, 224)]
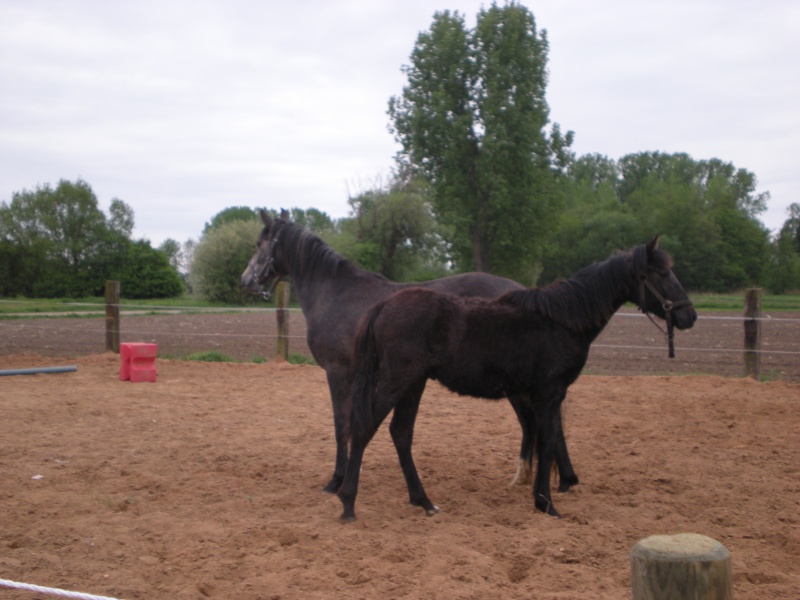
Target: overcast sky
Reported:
[(182, 109)]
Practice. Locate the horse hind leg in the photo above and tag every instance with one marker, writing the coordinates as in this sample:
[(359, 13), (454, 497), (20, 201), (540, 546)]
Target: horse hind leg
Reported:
[(402, 431), (348, 490), (566, 474)]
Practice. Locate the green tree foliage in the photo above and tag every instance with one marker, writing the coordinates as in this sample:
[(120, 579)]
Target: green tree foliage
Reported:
[(471, 121), (12, 269), (59, 232), (174, 253), (393, 232), (56, 242), (232, 213), (791, 227), (783, 272), (121, 218), (219, 259), (147, 273), (593, 224), (313, 220), (706, 212)]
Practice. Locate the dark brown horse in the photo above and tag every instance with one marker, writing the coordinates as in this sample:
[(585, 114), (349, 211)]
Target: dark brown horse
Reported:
[(530, 344), (335, 294)]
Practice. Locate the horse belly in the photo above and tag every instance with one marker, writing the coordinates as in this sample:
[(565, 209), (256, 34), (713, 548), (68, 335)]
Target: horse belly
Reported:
[(471, 382)]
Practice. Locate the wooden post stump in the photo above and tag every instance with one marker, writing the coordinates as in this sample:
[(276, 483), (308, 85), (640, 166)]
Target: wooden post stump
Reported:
[(686, 566), (112, 316), (752, 333), (282, 293)]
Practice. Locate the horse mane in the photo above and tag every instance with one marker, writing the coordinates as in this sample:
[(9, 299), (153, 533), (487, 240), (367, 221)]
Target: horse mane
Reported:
[(307, 253), (585, 300)]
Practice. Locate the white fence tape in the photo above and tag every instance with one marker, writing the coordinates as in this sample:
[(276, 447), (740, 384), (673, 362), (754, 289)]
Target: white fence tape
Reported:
[(54, 591)]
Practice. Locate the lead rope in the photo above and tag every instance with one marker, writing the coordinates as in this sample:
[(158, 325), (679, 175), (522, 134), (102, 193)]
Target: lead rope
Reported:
[(667, 305)]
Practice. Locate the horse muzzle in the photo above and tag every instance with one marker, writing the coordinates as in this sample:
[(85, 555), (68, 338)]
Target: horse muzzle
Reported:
[(683, 315)]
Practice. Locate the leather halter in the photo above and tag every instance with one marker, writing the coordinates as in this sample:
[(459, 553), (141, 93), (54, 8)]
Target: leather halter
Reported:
[(267, 271), (667, 305)]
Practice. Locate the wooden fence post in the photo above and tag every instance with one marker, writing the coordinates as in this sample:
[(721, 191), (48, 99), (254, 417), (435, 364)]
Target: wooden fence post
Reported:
[(686, 565), (112, 316), (282, 293), (752, 333)]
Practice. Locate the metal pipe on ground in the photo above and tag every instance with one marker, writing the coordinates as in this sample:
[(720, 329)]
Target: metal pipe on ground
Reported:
[(35, 370)]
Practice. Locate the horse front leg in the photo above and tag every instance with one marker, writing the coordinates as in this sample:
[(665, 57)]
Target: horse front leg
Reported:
[(547, 407), (339, 386), (527, 420), (524, 474), (402, 431)]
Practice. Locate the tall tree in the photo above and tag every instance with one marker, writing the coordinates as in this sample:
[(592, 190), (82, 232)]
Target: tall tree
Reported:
[(471, 120)]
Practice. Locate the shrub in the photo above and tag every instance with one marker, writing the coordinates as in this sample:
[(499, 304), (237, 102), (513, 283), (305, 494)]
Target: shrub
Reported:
[(219, 259)]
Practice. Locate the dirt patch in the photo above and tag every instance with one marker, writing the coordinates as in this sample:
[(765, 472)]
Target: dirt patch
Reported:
[(206, 484)]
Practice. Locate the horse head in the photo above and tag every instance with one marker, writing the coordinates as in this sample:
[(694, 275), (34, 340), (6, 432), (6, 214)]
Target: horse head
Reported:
[(657, 290), (263, 272)]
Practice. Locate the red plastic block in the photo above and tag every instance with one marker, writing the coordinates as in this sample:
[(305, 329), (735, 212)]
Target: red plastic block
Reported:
[(138, 362)]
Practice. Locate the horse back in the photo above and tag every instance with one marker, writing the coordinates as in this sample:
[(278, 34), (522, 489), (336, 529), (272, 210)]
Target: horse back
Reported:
[(479, 285)]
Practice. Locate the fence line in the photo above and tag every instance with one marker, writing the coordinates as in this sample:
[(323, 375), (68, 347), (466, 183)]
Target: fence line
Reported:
[(689, 349), (302, 337), (180, 341), (148, 308), (137, 308), (767, 319)]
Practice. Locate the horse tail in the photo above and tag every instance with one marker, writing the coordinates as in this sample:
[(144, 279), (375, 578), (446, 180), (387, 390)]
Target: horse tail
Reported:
[(365, 365)]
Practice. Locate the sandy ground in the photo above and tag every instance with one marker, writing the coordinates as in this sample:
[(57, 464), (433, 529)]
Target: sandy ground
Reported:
[(206, 484)]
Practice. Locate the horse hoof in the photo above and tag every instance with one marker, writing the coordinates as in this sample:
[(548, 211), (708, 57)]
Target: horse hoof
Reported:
[(347, 518), (523, 476), (546, 506), (332, 487), (432, 511), (566, 484)]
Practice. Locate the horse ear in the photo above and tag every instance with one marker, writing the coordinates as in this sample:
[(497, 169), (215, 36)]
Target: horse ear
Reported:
[(265, 218), (652, 246), (285, 215)]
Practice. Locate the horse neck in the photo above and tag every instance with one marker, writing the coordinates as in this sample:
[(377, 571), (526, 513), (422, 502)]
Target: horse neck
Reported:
[(605, 287), (586, 301), (312, 266)]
